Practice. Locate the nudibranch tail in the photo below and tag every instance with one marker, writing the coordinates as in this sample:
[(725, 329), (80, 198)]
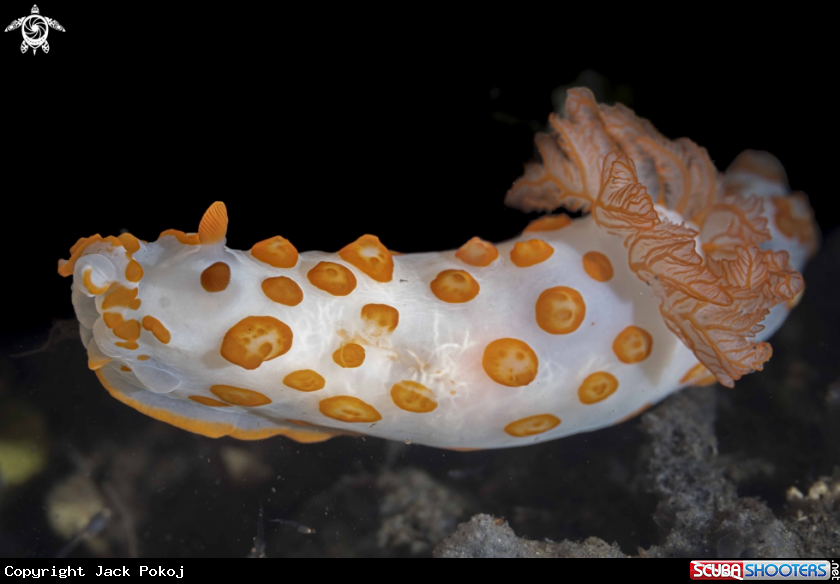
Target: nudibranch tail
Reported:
[(675, 275)]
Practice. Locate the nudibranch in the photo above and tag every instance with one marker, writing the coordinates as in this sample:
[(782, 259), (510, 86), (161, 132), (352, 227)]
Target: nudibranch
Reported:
[(674, 275)]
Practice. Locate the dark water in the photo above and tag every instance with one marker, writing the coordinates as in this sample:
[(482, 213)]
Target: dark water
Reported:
[(145, 137)]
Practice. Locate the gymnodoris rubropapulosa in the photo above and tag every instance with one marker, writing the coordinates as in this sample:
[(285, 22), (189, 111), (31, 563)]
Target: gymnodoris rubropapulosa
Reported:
[(675, 275)]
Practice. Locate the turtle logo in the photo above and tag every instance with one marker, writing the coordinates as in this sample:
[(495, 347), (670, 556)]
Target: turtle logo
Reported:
[(35, 29)]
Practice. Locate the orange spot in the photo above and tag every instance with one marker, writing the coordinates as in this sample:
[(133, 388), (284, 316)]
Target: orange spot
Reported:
[(90, 286), (533, 424), (124, 368), (143, 358), (455, 286), (332, 278), (121, 296), (133, 271), (477, 252), (549, 223), (276, 251), (597, 387), (346, 408), (130, 345), (413, 397), (305, 380), (598, 266), (301, 423), (239, 396), (350, 355), (216, 278), (283, 290), (209, 401), (369, 255), (510, 362), (560, 310), (383, 316), (255, 339), (130, 243), (153, 325), (699, 375), (184, 238), (112, 319), (528, 253), (632, 345), (213, 226), (128, 330)]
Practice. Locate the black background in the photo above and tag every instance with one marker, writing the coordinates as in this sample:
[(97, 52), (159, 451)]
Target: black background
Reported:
[(410, 124)]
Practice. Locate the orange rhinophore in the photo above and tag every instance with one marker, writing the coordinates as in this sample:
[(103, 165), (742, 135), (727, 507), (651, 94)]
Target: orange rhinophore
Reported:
[(675, 274), (213, 226)]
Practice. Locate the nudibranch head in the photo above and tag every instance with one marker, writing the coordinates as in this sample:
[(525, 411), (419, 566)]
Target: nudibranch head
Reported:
[(674, 276)]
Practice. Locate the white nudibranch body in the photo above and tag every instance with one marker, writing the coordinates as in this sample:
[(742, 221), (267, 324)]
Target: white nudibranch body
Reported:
[(572, 326)]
